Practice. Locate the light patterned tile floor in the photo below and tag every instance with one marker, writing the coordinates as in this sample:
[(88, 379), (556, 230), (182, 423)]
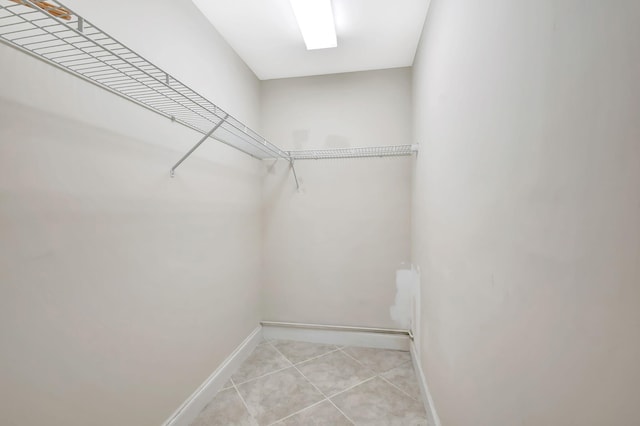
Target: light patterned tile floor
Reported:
[(285, 383)]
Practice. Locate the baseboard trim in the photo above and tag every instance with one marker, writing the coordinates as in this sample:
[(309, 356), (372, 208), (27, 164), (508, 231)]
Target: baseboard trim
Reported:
[(190, 409), (337, 335), (427, 399)]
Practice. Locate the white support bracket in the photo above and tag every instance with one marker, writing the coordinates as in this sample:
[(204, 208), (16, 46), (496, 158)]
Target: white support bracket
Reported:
[(295, 175), (200, 142)]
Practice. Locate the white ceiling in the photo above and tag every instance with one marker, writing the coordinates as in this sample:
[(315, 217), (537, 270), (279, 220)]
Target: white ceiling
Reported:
[(372, 34)]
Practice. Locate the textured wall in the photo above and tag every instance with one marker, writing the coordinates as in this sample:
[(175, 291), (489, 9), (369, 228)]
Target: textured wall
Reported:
[(121, 289), (527, 211), (332, 249)]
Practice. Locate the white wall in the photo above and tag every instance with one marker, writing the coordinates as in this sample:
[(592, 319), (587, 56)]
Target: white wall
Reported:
[(332, 249), (527, 211), (121, 289)]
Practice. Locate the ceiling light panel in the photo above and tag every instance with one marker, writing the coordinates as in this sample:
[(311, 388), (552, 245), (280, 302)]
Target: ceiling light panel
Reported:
[(315, 19)]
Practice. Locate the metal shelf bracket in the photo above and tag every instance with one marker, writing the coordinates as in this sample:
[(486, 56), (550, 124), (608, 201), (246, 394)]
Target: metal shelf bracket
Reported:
[(200, 142), (295, 175)]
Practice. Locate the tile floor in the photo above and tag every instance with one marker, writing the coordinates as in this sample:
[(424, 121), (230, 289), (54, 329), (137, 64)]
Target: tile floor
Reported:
[(286, 383)]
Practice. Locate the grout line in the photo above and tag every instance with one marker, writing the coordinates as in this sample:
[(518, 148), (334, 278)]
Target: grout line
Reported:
[(337, 348), (380, 375), (244, 402), (267, 374), (358, 361), (319, 390), (298, 412), (377, 373), (323, 394), (315, 357), (281, 354), (283, 368), (404, 363), (397, 387), (228, 387), (309, 381), (351, 387), (328, 397), (312, 384), (305, 377), (342, 412), (264, 375)]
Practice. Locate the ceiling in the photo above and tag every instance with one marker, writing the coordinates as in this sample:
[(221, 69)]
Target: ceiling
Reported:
[(372, 34)]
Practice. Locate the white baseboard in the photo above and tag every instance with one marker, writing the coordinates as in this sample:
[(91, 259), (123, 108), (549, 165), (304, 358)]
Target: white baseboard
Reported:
[(432, 415), (338, 336), (190, 409)]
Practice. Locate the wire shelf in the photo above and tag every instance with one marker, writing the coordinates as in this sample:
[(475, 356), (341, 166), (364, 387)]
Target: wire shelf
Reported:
[(54, 33), (362, 152)]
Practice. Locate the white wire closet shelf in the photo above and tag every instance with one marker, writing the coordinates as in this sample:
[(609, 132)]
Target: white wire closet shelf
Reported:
[(52, 32), (72, 43), (361, 152)]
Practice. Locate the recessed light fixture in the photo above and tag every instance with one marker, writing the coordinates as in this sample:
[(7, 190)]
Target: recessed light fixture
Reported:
[(315, 19)]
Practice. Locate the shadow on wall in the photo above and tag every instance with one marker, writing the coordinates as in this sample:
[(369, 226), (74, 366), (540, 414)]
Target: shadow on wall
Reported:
[(336, 141), (301, 140)]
